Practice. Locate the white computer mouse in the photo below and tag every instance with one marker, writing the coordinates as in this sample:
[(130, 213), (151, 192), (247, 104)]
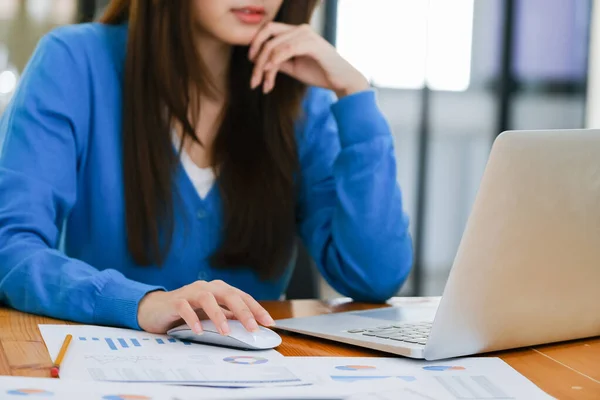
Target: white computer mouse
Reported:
[(239, 337)]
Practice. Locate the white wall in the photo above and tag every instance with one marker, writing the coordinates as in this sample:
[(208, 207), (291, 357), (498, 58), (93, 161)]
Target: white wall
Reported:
[(593, 94)]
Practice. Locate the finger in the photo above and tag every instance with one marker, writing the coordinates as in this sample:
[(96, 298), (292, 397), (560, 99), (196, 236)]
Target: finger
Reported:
[(286, 68), (269, 84), (189, 316), (257, 310), (261, 314), (272, 44), (208, 303), (294, 48), (202, 315), (265, 55), (228, 314), (272, 29), (232, 299)]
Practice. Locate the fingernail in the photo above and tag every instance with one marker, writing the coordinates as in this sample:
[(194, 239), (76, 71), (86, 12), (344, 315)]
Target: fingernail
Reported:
[(253, 83), (270, 321), (225, 328), (197, 329), (252, 325)]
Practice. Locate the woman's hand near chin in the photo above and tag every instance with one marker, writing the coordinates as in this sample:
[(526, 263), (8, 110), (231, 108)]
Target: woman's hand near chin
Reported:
[(303, 54)]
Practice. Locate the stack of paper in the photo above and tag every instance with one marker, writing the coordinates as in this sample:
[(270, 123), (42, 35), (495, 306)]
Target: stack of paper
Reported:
[(59, 389), (118, 355)]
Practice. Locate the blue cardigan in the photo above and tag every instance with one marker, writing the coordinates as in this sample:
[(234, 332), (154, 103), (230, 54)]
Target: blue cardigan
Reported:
[(63, 250)]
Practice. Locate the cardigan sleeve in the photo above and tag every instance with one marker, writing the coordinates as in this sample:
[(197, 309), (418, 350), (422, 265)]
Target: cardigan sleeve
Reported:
[(43, 127), (350, 208)]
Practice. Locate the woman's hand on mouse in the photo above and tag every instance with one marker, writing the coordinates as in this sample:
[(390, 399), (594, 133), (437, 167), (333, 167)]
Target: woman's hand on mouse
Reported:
[(303, 54), (216, 300)]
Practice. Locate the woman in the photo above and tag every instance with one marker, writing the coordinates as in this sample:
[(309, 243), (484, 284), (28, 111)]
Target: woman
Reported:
[(159, 164)]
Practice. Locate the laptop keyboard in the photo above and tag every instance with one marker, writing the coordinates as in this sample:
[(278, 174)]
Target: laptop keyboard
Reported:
[(414, 333)]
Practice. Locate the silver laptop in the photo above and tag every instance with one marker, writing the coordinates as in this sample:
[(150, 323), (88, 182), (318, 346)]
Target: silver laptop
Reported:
[(527, 270)]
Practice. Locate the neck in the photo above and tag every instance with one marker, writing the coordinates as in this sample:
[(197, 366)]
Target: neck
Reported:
[(216, 56)]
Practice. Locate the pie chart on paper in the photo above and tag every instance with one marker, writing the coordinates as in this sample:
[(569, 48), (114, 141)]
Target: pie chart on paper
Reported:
[(355, 367), (30, 392), (441, 368), (245, 360)]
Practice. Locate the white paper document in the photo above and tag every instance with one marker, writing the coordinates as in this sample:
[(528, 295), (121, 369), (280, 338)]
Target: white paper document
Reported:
[(104, 354), (60, 389), (464, 379), (121, 355)]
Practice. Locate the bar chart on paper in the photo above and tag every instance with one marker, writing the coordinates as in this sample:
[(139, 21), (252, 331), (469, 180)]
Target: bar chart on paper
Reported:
[(100, 353), (120, 343)]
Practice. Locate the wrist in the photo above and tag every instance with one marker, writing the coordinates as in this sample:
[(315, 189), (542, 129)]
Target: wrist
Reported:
[(357, 85), (146, 305)]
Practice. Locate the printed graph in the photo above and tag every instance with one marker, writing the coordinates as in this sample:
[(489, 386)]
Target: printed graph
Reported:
[(245, 360), (116, 344), (205, 375), (442, 368), (471, 388), (355, 367), (30, 392), (115, 359)]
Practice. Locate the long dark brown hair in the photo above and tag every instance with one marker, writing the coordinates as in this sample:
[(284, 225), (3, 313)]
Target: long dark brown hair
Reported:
[(254, 152)]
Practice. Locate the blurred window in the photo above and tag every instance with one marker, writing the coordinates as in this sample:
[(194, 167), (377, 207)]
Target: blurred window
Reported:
[(8, 9), (406, 43)]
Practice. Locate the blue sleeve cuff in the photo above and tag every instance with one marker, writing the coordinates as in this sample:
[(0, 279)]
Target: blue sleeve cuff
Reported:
[(359, 118), (118, 301)]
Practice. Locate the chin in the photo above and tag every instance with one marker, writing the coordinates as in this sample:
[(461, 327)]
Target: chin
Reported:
[(239, 37)]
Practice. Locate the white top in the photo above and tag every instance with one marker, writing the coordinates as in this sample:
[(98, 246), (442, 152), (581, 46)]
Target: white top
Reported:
[(202, 178)]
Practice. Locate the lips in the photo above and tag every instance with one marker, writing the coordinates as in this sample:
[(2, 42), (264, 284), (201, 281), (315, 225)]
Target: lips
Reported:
[(250, 14)]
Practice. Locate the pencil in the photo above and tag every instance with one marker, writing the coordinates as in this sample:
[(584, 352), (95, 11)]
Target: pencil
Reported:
[(61, 355)]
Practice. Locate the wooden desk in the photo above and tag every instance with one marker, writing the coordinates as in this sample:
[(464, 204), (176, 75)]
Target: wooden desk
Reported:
[(565, 371)]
